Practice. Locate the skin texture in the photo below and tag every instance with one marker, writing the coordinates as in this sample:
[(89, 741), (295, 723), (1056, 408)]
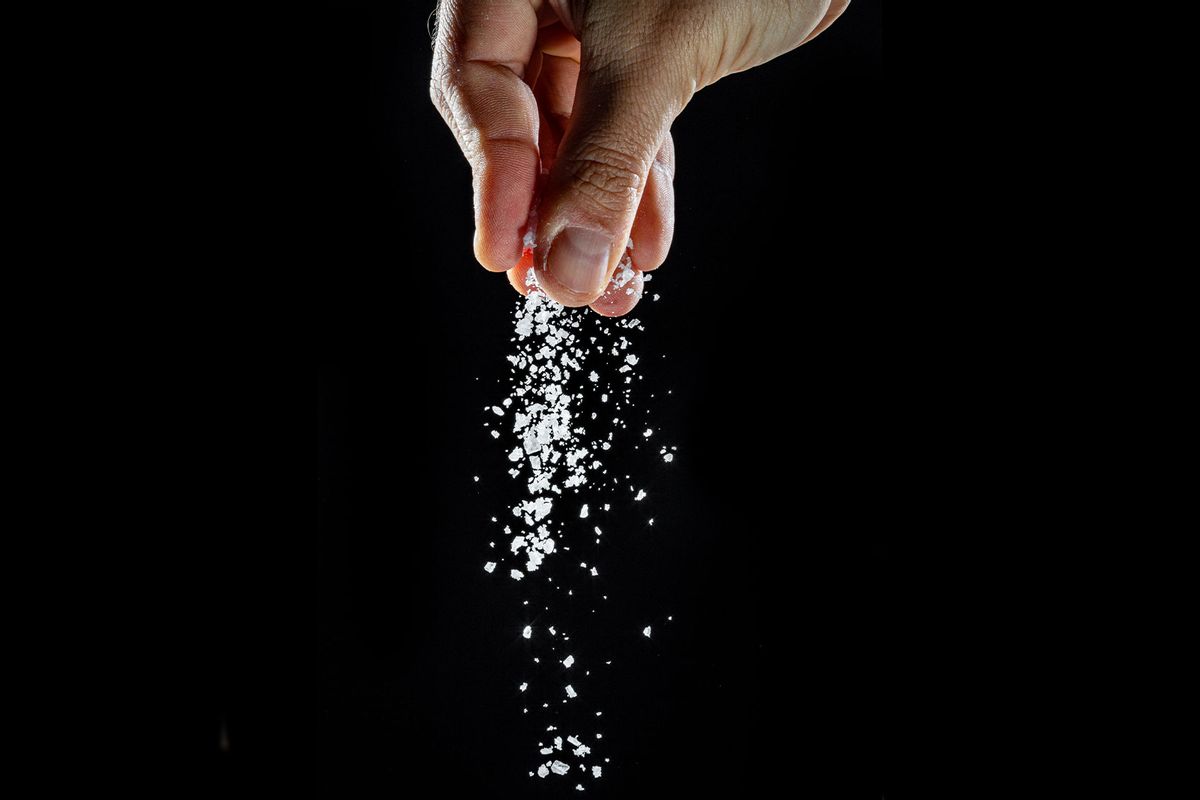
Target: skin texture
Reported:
[(569, 104)]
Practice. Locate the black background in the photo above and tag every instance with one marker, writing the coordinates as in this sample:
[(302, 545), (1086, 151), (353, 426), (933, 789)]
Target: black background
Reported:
[(797, 392)]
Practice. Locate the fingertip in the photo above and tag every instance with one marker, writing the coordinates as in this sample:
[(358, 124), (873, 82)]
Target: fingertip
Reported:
[(518, 276), (495, 256), (622, 294)]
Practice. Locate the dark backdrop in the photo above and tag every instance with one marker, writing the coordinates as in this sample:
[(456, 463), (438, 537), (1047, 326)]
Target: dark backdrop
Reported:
[(798, 394)]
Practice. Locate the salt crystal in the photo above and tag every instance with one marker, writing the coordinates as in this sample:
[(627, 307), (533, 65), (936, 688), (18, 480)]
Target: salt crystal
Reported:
[(631, 359), (498, 411), (495, 434), (649, 432), (528, 632), (517, 574), (571, 690), (583, 512), (568, 661), (646, 631), (542, 771), (641, 494), (489, 566), (593, 377), (524, 686), (558, 742), (594, 572), (477, 479), (595, 772), (574, 742), (668, 458)]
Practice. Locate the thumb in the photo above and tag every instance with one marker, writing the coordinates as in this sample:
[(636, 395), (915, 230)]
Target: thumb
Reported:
[(626, 98)]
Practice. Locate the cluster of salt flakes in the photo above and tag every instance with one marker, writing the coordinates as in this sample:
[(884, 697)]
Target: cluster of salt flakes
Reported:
[(553, 453)]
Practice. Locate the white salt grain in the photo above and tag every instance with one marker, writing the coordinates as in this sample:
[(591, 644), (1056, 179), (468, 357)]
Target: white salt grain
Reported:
[(641, 494), (498, 411), (528, 632), (542, 771), (570, 691), (646, 631), (595, 772), (574, 742), (489, 566), (583, 512), (517, 574), (668, 458), (568, 661), (524, 686)]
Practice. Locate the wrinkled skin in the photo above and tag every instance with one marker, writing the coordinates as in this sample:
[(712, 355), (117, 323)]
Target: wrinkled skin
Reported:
[(586, 91)]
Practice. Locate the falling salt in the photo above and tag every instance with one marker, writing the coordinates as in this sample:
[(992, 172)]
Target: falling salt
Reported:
[(646, 631), (554, 451)]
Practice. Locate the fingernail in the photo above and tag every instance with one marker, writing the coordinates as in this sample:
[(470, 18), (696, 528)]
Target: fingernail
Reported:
[(579, 259)]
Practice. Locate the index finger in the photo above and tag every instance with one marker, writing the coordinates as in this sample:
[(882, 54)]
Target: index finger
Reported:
[(482, 50)]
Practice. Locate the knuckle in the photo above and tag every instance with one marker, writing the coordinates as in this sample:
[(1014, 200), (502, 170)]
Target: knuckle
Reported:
[(608, 179)]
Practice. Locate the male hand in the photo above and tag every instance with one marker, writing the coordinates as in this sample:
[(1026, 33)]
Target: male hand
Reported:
[(587, 90)]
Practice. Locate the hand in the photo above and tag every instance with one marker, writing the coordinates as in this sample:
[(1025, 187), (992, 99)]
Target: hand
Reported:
[(587, 90)]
